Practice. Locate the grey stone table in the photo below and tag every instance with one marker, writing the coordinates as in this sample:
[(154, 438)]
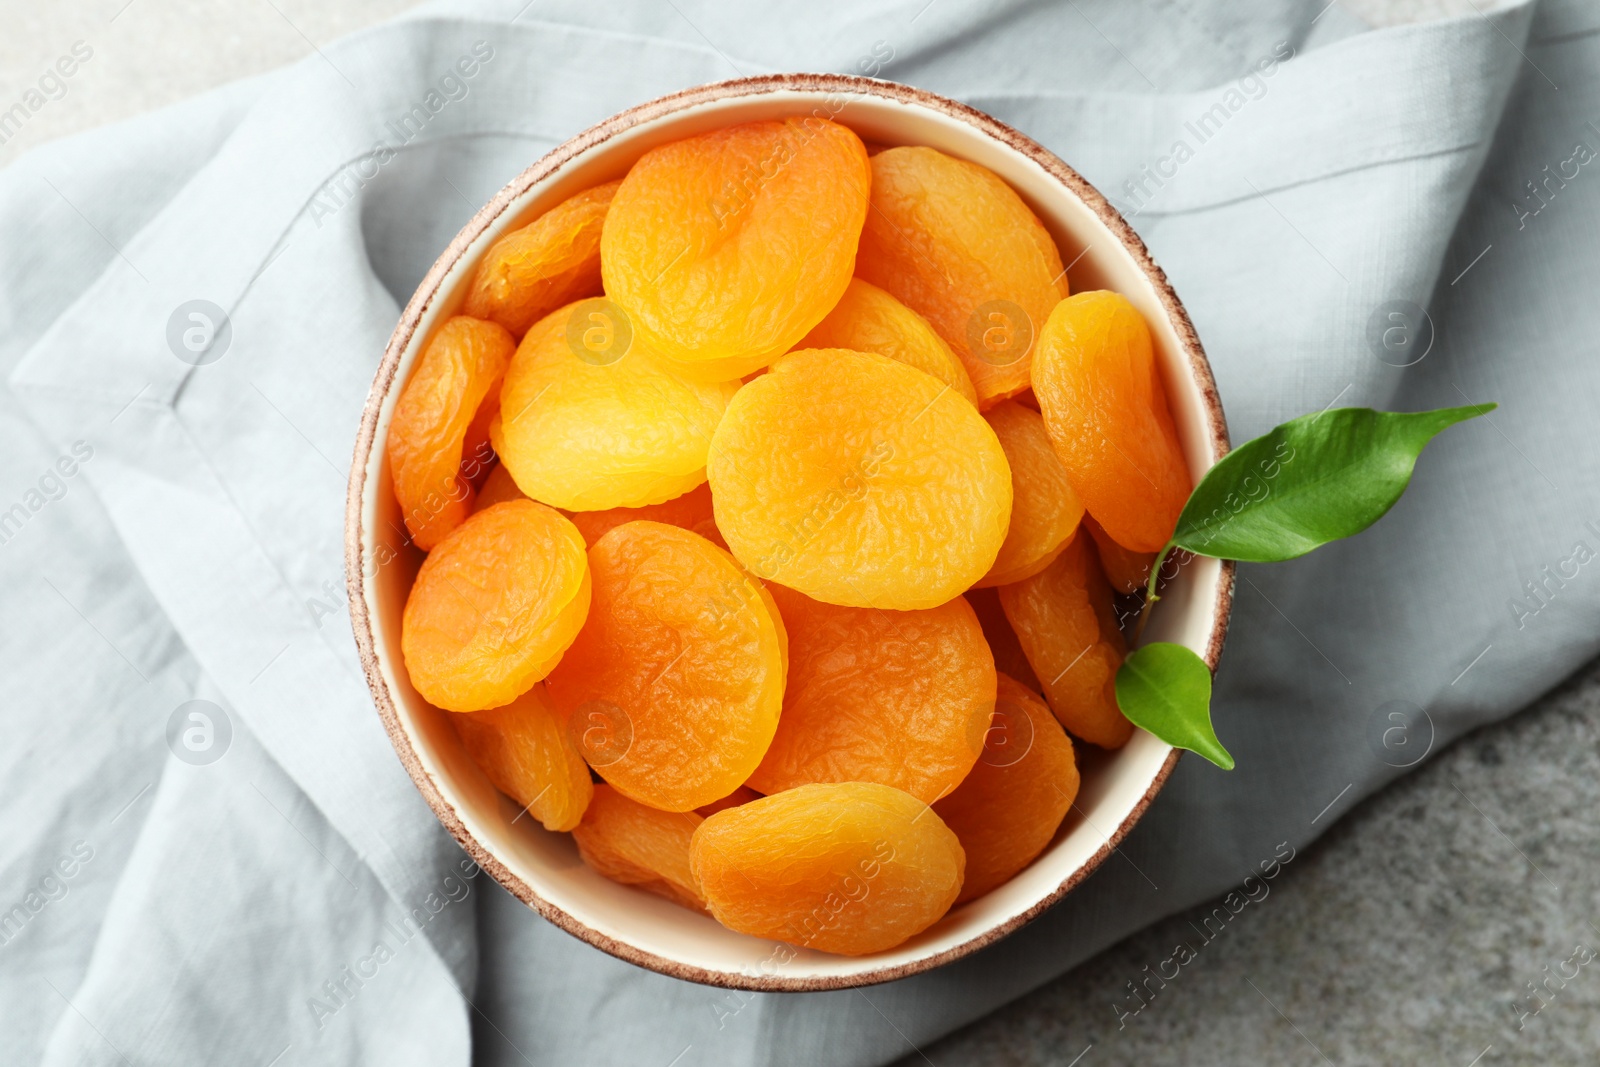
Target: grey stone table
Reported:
[(1408, 935)]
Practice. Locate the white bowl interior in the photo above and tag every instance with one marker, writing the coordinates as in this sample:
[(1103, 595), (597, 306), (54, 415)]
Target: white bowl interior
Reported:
[(1114, 784)]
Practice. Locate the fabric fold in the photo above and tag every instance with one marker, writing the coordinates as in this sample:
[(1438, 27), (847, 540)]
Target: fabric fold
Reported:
[(354, 980)]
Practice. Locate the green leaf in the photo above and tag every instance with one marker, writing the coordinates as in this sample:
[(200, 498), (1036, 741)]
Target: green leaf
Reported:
[(1312, 480), (1166, 689)]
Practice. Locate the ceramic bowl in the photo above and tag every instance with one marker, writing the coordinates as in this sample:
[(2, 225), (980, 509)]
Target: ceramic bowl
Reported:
[(543, 868)]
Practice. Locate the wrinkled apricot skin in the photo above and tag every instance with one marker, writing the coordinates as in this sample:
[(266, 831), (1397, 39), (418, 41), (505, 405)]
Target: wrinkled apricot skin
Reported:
[(494, 606), (957, 245), (1127, 571), (497, 489), (461, 367), (1006, 811), (684, 655), (1106, 410), (867, 319), (537, 268), (587, 436), (860, 481), (640, 846), (1066, 623), (523, 749), (691, 511), (728, 247), (1044, 509), (901, 698), (1009, 659), (850, 868)]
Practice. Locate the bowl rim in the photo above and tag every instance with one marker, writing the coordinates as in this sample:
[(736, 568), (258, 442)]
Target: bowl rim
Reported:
[(422, 299)]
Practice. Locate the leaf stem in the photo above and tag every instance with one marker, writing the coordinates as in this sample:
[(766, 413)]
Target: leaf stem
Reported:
[(1150, 595)]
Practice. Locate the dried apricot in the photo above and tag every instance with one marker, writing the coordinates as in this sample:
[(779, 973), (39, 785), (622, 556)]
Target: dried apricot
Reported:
[(1006, 811), (523, 749), (679, 671), (461, 366), (1127, 571), (956, 244), (587, 434), (494, 606), (896, 697), (1044, 509), (691, 511), (725, 248), (860, 481), (552, 261), (497, 489), (1065, 621), (1105, 407), (743, 795), (867, 319), (851, 868), (640, 846), (1009, 658)]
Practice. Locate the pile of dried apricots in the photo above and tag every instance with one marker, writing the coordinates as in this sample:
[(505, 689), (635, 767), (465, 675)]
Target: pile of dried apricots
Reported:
[(774, 497)]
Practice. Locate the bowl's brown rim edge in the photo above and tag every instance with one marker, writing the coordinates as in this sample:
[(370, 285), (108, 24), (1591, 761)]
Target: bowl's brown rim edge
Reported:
[(361, 623)]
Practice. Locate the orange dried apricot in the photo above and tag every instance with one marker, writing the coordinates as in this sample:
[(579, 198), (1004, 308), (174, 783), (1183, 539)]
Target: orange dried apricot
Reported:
[(461, 366), (679, 671), (640, 846), (524, 750), (896, 697), (851, 867), (1006, 811), (743, 795), (1009, 658), (867, 319), (1127, 571), (956, 244), (860, 481), (725, 248), (553, 260), (1044, 509), (1065, 621), (494, 606), (691, 511), (1105, 407), (586, 434), (497, 489)]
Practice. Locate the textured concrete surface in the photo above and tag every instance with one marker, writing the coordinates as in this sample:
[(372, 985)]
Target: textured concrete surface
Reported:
[(1409, 934), (1405, 936)]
